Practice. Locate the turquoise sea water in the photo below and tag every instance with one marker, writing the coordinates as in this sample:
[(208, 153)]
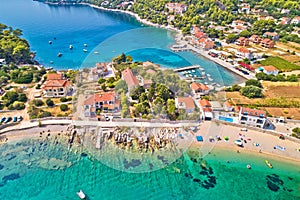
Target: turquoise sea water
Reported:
[(107, 33), (29, 171)]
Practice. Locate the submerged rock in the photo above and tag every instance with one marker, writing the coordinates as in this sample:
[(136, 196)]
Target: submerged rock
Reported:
[(272, 186), (196, 180), (133, 163), (10, 177)]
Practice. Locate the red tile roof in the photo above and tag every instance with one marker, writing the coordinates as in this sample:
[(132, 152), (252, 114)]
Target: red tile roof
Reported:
[(244, 50), (103, 97), (129, 78), (56, 84), (253, 112), (227, 104), (54, 77), (207, 109), (188, 102), (204, 103), (270, 34), (197, 86), (270, 68)]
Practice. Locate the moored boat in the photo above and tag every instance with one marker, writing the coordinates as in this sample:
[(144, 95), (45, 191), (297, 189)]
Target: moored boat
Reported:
[(269, 164), (71, 47), (81, 195), (85, 45), (249, 166), (84, 50), (59, 54), (50, 42)]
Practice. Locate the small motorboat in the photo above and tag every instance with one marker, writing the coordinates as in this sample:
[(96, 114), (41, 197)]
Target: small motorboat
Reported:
[(96, 52), (269, 164), (71, 47), (84, 50), (59, 54), (50, 42), (51, 62), (81, 195), (85, 45), (248, 166)]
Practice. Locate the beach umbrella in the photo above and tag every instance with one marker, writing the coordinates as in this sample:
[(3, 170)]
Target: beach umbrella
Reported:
[(226, 138)]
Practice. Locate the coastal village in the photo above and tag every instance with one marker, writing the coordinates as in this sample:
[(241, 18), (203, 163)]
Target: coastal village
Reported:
[(139, 116)]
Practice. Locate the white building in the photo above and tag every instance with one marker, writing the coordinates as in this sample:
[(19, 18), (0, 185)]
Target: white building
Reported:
[(296, 20), (2, 61), (269, 70), (252, 117)]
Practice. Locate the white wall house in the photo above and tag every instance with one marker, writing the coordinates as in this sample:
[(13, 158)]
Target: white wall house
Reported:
[(269, 70), (252, 117)]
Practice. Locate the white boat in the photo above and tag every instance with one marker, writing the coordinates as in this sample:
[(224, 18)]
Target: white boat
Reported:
[(84, 50), (81, 195), (210, 79), (96, 52), (203, 73), (193, 71), (208, 75), (50, 42), (249, 166), (85, 45), (71, 47)]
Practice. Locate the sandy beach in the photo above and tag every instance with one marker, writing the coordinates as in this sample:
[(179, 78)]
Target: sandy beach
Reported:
[(257, 142), (35, 132)]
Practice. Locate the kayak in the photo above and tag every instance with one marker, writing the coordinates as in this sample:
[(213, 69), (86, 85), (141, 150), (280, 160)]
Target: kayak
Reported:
[(269, 164)]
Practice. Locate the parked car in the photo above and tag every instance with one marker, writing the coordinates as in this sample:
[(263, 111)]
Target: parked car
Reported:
[(20, 118), (2, 119), (244, 129), (15, 119), (7, 120)]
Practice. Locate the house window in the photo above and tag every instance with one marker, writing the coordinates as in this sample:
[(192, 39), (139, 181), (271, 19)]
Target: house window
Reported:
[(244, 118), (259, 121), (61, 89)]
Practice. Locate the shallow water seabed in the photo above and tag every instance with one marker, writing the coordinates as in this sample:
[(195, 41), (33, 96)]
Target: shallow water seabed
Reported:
[(187, 178)]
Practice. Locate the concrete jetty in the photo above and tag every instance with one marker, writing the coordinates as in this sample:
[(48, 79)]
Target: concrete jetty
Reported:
[(187, 68)]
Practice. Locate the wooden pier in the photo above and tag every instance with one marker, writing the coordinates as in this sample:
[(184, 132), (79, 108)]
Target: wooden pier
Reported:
[(187, 68)]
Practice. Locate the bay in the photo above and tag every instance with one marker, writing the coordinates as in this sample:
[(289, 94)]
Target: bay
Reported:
[(106, 34)]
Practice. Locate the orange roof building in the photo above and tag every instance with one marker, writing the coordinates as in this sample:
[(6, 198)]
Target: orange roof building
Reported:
[(269, 70), (56, 86), (129, 78), (105, 102), (244, 53), (199, 89), (228, 107), (186, 103), (55, 76), (242, 41), (204, 103), (267, 43)]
